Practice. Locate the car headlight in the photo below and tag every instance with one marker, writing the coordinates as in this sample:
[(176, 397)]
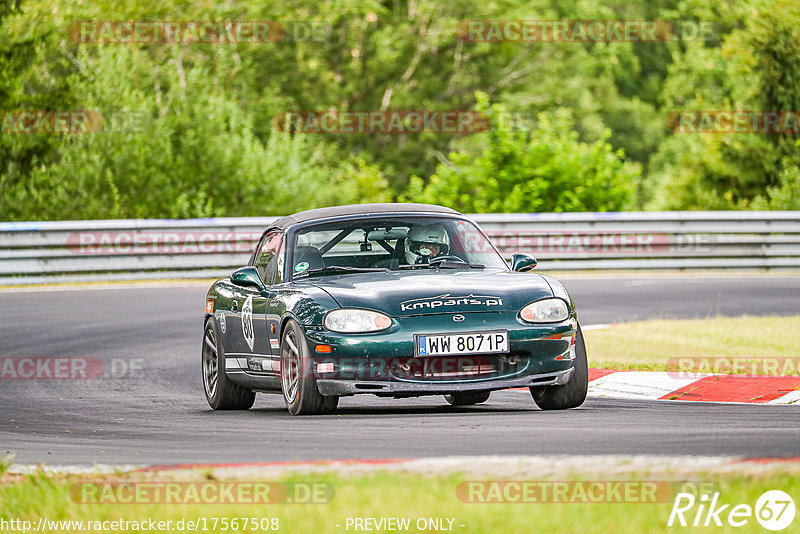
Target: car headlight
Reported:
[(351, 321), (545, 311)]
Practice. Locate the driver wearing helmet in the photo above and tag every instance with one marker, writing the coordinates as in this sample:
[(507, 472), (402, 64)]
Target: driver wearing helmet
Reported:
[(424, 243)]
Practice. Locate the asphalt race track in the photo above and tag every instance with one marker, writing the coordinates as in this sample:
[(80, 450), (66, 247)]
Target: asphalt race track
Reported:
[(158, 415)]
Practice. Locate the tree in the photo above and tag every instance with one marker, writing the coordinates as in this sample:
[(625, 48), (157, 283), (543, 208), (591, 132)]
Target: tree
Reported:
[(545, 170), (754, 69)]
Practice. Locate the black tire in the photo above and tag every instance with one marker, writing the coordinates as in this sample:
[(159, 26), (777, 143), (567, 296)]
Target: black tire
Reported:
[(468, 398), (573, 393), (221, 393), (298, 383)]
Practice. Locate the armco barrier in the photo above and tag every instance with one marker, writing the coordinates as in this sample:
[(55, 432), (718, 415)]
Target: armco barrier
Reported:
[(37, 252)]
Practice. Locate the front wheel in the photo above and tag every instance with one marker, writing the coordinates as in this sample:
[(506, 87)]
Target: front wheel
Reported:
[(297, 376), (468, 398), (221, 393), (573, 393)]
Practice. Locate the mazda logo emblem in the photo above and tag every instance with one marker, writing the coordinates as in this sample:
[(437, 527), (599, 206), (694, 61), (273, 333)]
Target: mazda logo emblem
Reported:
[(458, 318)]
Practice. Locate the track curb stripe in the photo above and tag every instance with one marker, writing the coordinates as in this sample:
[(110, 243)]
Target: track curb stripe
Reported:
[(738, 388), (658, 385), (292, 463)]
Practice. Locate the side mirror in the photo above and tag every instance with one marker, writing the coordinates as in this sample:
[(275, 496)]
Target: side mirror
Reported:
[(248, 277), (522, 263)]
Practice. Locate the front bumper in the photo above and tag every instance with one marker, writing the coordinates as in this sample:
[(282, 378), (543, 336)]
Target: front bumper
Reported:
[(341, 388), (384, 363)]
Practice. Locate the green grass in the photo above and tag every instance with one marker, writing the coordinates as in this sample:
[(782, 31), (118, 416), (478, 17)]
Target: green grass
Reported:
[(650, 345), (390, 495), (5, 463)]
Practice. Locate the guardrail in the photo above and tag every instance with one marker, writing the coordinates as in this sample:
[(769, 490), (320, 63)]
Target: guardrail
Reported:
[(40, 252)]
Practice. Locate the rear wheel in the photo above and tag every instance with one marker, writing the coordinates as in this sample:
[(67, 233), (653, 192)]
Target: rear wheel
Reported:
[(221, 393), (467, 398), (573, 393), (297, 376)]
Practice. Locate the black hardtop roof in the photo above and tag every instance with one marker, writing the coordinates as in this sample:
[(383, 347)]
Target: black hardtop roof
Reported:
[(359, 209)]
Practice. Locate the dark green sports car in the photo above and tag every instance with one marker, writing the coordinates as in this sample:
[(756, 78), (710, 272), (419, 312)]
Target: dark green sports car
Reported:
[(396, 300)]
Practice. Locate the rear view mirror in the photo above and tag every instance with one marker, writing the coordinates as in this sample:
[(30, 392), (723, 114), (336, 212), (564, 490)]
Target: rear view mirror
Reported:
[(522, 263), (387, 235), (247, 277)]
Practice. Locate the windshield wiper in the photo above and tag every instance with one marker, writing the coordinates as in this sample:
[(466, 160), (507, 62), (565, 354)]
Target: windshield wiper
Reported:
[(444, 265), (333, 269)]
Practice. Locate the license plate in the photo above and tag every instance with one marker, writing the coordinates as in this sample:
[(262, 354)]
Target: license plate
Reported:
[(447, 344)]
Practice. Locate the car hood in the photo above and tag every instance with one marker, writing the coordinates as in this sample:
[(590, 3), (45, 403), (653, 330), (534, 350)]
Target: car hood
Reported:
[(407, 293)]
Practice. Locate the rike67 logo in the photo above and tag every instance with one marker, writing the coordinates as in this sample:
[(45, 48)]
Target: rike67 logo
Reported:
[(774, 510)]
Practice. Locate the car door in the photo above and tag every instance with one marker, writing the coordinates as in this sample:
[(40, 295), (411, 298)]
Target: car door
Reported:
[(268, 261)]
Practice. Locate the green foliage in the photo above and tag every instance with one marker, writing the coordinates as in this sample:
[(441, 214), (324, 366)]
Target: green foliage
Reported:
[(546, 170), (182, 150), (753, 69), (773, 41), (786, 194), (5, 464)]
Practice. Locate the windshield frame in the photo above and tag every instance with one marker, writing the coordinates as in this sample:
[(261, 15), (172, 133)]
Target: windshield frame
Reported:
[(293, 231)]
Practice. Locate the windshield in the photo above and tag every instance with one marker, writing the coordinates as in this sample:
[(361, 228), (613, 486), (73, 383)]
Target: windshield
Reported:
[(392, 243)]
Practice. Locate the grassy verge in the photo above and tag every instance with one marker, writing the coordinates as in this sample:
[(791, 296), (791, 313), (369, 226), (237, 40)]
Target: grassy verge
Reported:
[(390, 495), (650, 345)]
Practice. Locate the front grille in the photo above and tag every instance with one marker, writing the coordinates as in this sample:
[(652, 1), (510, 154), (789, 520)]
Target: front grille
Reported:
[(448, 368)]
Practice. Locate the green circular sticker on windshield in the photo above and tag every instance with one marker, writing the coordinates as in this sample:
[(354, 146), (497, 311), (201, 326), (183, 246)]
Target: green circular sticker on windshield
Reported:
[(302, 266)]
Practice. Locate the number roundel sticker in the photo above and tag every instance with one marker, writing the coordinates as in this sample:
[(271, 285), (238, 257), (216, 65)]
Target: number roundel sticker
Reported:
[(302, 266), (775, 510), (247, 322)]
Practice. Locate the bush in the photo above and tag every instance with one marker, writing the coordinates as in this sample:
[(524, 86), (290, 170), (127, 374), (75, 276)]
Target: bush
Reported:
[(195, 156), (545, 170)]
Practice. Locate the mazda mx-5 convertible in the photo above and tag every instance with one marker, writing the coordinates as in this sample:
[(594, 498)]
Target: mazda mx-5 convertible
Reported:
[(396, 300)]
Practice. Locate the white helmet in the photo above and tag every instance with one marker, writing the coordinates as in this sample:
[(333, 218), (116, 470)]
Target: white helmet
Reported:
[(434, 235)]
